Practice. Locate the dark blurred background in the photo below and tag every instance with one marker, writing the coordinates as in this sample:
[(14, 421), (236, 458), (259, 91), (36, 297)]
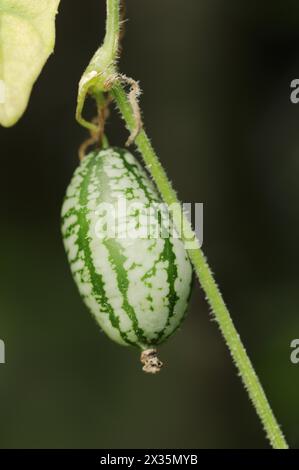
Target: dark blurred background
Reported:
[(216, 80)]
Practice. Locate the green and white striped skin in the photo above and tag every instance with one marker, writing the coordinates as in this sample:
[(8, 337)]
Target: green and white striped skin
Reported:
[(137, 289)]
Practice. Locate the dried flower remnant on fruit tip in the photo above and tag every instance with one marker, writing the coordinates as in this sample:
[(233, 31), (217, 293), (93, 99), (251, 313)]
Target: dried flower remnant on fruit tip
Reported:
[(150, 361)]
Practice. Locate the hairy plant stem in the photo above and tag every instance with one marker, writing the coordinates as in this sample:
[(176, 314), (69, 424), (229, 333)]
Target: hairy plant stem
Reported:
[(206, 279), (202, 269), (111, 41)]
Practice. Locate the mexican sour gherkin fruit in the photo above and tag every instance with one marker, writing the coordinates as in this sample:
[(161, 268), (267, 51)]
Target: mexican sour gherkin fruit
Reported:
[(135, 280)]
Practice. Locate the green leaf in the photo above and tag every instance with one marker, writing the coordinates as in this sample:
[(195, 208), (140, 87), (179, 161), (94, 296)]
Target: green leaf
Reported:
[(27, 37)]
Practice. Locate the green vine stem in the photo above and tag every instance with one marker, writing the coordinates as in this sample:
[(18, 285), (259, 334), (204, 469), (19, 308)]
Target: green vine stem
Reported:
[(202, 269), (207, 281)]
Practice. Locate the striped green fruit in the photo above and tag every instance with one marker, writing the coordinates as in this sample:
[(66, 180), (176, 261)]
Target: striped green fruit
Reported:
[(136, 287)]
